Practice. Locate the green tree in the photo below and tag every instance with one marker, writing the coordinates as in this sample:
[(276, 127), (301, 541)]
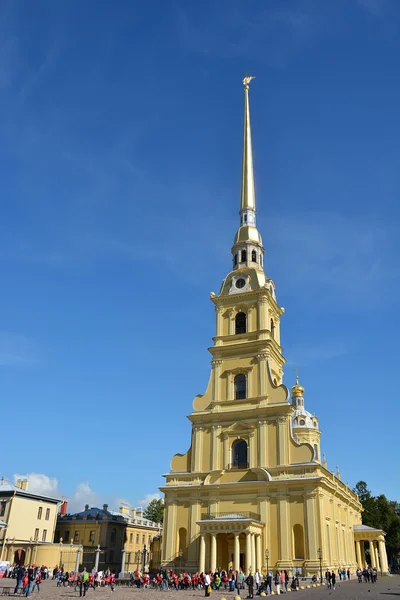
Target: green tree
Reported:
[(155, 510)]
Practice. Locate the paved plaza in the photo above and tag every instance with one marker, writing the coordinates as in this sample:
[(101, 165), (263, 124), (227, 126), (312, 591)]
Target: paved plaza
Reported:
[(350, 590)]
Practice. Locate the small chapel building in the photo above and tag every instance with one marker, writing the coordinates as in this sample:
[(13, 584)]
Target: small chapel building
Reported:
[(252, 491)]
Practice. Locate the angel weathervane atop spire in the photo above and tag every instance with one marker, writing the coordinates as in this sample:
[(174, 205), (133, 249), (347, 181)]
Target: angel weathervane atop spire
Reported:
[(247, 80)]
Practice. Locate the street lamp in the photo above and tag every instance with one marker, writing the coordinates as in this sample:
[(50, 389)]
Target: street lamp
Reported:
[(267, 558), (180, 559), (320, 564)]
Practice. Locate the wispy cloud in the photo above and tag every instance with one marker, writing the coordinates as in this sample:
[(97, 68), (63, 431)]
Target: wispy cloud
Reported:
[(16, 350), (147, 498)]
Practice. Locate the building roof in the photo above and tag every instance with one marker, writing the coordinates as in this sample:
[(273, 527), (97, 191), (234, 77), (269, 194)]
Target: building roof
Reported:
[(8, 488), (365, 528)]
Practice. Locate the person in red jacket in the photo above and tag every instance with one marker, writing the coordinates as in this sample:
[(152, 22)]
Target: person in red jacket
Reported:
[(112, 581), (38, 581)]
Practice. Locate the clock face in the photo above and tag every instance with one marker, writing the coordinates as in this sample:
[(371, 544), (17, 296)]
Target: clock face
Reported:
[(302, 422), (240, 283)]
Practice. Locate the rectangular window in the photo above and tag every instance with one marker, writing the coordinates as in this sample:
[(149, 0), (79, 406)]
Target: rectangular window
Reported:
[(143, 539), (76, 536), (66, 539), (47, 514), (2, 508), (39, 514), (130, 538), (91, 536), (44, 535), (36, 535), (137, 538), (128, 558), (149, 540)]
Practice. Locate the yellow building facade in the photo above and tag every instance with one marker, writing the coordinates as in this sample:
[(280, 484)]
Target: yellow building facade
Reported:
[(116, 540), (252, 489), (29, 525)]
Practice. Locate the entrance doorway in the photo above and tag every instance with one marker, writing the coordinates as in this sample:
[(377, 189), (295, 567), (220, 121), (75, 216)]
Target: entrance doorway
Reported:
[(243, 565), (19, 557)]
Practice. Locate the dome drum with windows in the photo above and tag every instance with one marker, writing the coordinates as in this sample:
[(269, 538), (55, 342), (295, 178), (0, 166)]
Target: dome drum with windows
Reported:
[(252, 478)]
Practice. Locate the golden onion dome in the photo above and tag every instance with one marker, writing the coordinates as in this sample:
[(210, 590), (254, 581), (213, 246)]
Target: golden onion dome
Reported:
[(297, 389)]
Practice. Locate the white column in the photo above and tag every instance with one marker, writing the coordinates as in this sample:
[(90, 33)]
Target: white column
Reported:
[(213, 564), (378, 564), (202, 558), (97, 559), (248, 552), (258, 552), (236, 557), (372, 554), (383, 555), (358, 553), (253, 553), (123, 557)]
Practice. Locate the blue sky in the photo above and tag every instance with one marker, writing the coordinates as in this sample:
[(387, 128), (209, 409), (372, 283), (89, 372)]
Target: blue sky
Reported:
[(120, 150)]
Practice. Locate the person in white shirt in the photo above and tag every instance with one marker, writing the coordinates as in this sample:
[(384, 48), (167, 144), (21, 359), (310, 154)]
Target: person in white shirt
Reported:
[(207, 584)]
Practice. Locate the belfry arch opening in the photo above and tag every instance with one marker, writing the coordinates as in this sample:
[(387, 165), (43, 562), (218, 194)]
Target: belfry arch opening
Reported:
[(240, 387), (239, 454), (253, 256), (240, 323)]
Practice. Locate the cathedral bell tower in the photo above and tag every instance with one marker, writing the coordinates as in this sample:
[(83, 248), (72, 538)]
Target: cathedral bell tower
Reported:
[(246, 307), (251, 479)]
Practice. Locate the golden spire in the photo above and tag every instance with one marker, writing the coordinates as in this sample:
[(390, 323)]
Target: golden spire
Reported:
[(248, 199)]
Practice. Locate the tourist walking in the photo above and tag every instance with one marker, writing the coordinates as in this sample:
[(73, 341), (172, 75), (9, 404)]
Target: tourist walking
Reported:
[(250, 584), (333, 579), (277, 582)]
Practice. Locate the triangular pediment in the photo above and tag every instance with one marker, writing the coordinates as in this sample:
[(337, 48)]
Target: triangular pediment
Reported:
[(237, 428)]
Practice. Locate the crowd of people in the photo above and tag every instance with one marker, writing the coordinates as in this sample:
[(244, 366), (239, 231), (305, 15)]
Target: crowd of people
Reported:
[(232, 581), (85, 579), (30, 578)]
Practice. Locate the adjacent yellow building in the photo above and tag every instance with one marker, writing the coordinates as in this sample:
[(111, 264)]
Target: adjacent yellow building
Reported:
[(30, 521), (251, 490), (116, 540)]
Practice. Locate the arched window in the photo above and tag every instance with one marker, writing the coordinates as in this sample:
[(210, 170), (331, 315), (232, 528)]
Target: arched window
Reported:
[(240, 387), (243, 257), (298, 539), (239, 455), (235, 259), (182, 540), (245, 218), (272, 328), (316, 451), (254, 256), (240, 323)]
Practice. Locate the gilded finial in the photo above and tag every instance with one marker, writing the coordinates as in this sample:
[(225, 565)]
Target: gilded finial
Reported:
[(247, 79), (297, 389)]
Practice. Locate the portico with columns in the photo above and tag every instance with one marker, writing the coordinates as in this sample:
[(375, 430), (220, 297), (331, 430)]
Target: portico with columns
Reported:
[(374, 539), (252, 480)]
